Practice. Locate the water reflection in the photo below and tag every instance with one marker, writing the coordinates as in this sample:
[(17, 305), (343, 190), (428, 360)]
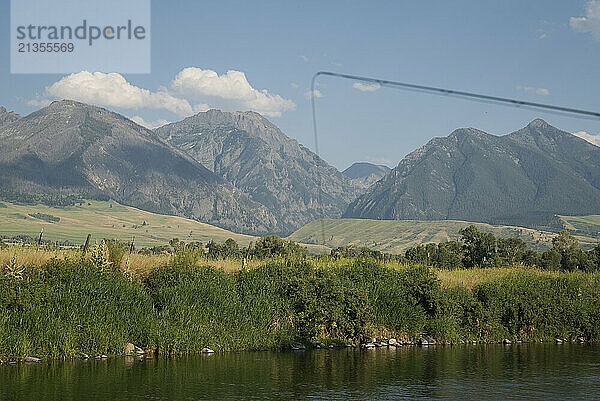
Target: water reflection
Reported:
[(519, 371)]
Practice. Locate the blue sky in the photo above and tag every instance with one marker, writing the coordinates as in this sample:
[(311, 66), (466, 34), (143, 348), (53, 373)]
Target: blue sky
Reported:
[(544, 51)]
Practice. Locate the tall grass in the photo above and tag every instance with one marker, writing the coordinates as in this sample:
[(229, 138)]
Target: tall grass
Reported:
[(181, 305), (139, 265), (65, 308), (30, 256)]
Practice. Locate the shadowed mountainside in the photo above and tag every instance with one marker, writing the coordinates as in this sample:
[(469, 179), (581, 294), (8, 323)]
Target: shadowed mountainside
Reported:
[(524, 178), (73, 149)]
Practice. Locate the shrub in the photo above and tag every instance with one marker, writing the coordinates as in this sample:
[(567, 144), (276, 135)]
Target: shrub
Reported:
[(155, 250), (99, 256), (45, 217), (186, 255), (13, 269), (351, 251), (458, 315), (400, 300), (326, 304)]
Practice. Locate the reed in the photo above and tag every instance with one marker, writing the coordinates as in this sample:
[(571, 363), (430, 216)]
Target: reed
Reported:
[(61, 303)]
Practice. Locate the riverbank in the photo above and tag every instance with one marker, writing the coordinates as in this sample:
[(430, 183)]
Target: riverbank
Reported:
[(71, 306)]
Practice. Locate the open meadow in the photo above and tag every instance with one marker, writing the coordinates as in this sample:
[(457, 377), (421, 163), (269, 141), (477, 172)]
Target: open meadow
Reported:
[(395, 236), (106, 219)]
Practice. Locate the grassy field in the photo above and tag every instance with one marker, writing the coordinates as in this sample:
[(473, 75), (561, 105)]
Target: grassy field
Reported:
[(395, 236), (585, 225), (107, 220)]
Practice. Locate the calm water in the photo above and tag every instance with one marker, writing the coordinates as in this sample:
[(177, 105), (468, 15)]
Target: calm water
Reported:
[(540, 371)]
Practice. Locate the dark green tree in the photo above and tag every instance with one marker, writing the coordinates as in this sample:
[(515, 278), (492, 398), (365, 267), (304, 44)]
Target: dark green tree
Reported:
[(449, 255), (572, 257), (511, 250), (176, 244), (479, 247), (551, 259), (594, 256), (231, 249), (416, 254), (531, 258), (563, 241), (351, 251), (214, 250), (274, 246)]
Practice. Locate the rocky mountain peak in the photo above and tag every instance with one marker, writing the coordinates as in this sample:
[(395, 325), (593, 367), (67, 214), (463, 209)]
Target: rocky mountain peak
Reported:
[(252, 154), (249, 121), (7, 116), (364, 174), (538, 123)]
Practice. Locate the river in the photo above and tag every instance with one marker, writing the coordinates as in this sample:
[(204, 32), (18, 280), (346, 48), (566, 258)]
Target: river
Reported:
[(517, 371)]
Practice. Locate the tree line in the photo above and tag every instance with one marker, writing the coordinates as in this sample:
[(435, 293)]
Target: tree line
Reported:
[(266, 247), (481, 249)]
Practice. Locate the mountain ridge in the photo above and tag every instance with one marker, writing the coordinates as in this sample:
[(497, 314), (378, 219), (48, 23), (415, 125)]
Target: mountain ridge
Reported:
[(365, 174), (525, 176), (252, 154)]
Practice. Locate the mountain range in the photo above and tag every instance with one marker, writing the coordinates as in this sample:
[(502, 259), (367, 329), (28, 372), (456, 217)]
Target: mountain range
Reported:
[(238, 171), (523, 178), (72, 149)]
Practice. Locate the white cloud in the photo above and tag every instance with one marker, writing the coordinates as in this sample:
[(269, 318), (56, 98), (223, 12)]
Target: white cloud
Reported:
[(294, 85), (317, 93), (114, 91), (593, 139), (231, 89), (590, 23), (366, 87), (149, 124), (193, 90), (531, 89), (543, 36)]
